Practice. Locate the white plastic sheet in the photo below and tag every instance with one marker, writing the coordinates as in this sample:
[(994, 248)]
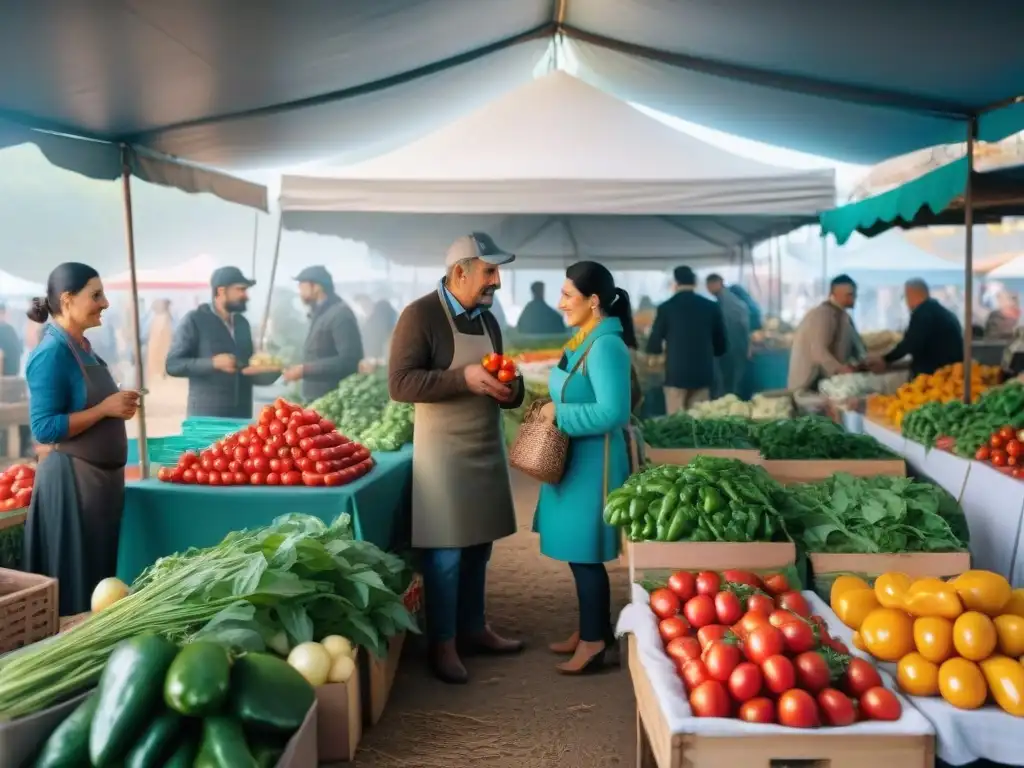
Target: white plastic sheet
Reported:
[(892, 440), (994, 505)]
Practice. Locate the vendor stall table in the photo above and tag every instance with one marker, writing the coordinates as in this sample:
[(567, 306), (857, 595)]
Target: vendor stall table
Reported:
[(163, 518)]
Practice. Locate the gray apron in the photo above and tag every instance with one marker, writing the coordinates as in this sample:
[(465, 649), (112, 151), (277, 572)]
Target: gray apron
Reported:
[(461, 492), (74, 519)]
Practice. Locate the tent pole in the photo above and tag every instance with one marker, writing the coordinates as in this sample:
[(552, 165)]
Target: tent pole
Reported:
[(270, 288), (255, 239), (129, 226), (824, 264), (972, 126)]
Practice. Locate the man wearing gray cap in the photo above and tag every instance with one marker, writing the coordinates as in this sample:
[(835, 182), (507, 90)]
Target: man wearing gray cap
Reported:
[(211, 348), (333, 345), (461, 494)]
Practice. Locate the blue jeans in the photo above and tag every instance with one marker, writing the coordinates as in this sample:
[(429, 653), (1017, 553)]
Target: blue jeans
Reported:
[(594, 593), (453, 585)]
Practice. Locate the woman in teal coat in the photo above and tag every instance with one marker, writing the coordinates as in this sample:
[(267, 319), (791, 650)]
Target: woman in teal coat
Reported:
[(590, 393)]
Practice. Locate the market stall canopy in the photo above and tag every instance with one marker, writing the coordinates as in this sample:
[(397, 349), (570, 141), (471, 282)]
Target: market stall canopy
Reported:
[(190, 275), (12, 285), (936, 198), (558, 170), (890, 260), (242, 84), (1011, 270)]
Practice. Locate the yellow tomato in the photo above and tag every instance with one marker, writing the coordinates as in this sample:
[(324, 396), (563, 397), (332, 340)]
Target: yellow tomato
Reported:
[(890, 588), (918, 676), (974, 636), (858, 642), (888, 634), (933, 637), (931, 597), (983, 591), (853, 605), (962, 684), (1016, 604), (845, 584), (1005, 678), (1010, 634)]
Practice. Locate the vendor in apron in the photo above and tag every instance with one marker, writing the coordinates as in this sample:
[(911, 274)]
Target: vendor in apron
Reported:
[(76, 408), (461, 493)]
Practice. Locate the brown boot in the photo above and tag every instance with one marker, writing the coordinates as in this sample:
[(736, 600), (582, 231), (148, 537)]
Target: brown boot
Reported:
[(490, 643), (446, 664), (567, 646)]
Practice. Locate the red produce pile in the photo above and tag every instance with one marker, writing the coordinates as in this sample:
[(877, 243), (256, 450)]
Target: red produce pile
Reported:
[(288, 445), (750, 649), (16, 487)]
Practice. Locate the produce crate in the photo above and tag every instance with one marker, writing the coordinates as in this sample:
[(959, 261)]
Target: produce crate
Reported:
[(825, 566), (301, 751), (12, 534), (378, 677), (28, 609), (796, 471), (646, 556), (20, 739), (658, 747), (683, 456), (339, 719)]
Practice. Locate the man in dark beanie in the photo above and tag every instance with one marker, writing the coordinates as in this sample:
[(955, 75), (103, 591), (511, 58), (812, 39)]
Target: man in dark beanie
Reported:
[(333, 345)]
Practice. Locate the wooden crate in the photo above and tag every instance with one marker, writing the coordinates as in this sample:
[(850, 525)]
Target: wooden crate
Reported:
[(809, 471), (657, 747), (683, 456), (28, 609), (645, 557)]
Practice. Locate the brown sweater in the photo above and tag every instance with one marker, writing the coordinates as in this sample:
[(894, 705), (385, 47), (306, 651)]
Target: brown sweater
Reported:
[(422, 347)]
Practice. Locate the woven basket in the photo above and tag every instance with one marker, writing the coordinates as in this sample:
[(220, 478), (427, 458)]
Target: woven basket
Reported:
[(540, 448), (28, 609)]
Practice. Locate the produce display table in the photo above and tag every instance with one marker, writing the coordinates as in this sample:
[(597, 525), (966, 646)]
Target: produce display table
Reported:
[(161, 518)]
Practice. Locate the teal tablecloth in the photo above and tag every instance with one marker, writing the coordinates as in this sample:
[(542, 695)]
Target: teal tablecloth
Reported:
[(161, 519)]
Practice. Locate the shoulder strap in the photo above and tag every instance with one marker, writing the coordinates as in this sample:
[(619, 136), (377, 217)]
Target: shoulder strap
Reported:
[(575, 366)]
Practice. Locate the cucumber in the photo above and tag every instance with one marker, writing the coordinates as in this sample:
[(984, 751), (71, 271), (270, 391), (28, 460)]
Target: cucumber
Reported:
[(267, 754), (268, 696), (184, 754), (129, 694), (197, 682), (157, 742), (68, 745), (224, 745)]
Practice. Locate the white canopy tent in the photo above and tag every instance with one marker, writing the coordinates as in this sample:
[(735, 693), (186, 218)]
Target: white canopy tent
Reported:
[(558, 170)]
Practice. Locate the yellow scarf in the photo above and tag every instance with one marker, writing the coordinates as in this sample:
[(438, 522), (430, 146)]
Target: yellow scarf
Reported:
[(581, 335)]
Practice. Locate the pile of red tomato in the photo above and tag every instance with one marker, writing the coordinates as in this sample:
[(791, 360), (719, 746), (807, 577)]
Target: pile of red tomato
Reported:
[(288, 445), (749, 648), (1005, 450), (501, 367), (16, 487)]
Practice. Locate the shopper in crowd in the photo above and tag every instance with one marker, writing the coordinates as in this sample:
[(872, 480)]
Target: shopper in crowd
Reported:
[(76, 409), (691, 331), (461, 492), (537, 317), (756, 322), (591, 403), (381, 322), (10, 365), (732, 366), (826, 342), (159, 333), (333, 345), (934, 336), (211, 348)]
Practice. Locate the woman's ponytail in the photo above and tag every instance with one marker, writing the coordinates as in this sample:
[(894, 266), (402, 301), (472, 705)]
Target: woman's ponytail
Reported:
[(39, 310), (620, 307)]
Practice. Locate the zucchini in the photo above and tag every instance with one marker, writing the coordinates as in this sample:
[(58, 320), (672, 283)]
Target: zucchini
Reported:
[(267, 754), (68, 745), (129, 694), (156, 743), (184, 755), (268, 696), (224, 745), (197, 682)]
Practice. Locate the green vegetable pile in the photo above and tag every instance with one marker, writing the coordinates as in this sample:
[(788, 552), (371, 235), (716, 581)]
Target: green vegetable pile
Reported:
[(680, 430), (297, 576), (156, 705), (970, 426), (868, 515), (709, 499), (361, 410), (815, 437), (392, 431)]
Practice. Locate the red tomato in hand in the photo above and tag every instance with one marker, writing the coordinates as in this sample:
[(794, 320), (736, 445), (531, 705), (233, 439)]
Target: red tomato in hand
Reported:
[(836, 708), (742, 577), (506, 376), (798, 637), (700, 611), (708, 583), (777, 583), (709, 699), (764, 642), (759, 710), (778, 672), (694, 673), (683, 584), (812, 673), (728, 608), (664, 603), (745, 681), (880, 703), (669, 629), (798, 709), (796, 603), (712, 633), (683, 649), (860, 677), (760, 604), (721, 659)]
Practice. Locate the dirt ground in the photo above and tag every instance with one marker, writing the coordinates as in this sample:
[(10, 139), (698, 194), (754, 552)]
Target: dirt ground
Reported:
[(516, 712)]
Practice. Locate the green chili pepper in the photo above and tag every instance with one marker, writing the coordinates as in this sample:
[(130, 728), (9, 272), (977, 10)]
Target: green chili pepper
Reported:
[(712, 499)]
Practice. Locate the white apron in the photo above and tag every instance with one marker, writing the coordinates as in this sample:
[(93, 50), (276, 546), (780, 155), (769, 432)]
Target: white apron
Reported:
[(461, 492)]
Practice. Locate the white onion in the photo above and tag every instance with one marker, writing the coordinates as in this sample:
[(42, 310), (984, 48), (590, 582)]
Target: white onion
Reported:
[(337, 645), (108, 592), (341, 670), (312, 661)]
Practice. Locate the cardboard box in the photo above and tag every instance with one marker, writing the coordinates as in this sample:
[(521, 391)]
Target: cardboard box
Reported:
[(646, 556), (810, 471), (682, 456), (825, 567), (301, 751), (340, 719), (378, 676)]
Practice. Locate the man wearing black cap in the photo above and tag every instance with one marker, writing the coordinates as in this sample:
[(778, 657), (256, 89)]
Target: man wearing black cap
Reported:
[(333, 345), (211, 348)]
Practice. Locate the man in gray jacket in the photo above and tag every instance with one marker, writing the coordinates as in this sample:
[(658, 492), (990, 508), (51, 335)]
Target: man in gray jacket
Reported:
[(333, 345), (211, 348)]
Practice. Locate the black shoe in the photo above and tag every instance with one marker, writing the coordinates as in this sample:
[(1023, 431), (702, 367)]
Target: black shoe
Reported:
[(594, 664)]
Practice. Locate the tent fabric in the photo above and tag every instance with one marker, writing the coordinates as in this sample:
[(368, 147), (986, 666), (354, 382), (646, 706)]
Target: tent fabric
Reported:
[(191, 274), (559, 169)]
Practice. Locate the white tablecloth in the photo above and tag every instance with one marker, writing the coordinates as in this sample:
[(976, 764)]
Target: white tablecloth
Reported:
[(638, 620), (962, 736)]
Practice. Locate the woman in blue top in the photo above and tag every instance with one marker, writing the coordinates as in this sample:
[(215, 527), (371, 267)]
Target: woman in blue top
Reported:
[(591, 399), (76, 407)]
